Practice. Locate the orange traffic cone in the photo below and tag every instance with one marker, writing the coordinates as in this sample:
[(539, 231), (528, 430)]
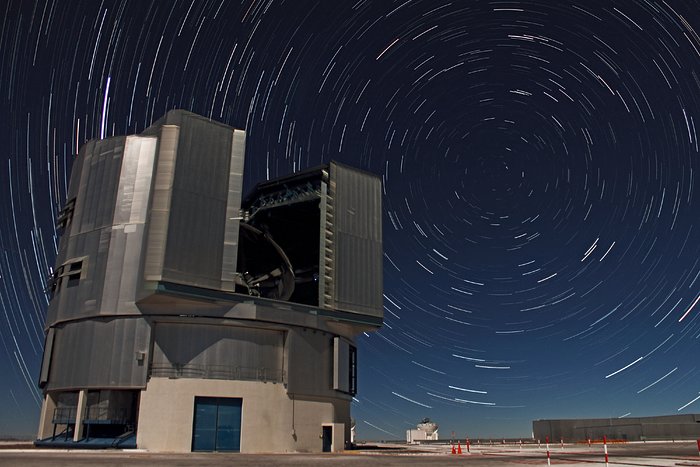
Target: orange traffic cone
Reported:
[(459, 447), (453, 449)]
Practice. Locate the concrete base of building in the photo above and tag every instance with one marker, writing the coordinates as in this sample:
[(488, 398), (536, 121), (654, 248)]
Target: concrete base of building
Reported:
[(271, 419), (45, 422)]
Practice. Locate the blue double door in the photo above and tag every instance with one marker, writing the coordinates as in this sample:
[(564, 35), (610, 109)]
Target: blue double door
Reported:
[(217, 424)]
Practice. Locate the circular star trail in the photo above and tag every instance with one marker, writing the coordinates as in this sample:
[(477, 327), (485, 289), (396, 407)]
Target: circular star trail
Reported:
[(539, 163)]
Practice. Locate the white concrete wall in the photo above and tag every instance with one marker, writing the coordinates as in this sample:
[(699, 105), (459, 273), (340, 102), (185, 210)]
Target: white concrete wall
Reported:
[(270, 421), (45, 421), (413, 436)]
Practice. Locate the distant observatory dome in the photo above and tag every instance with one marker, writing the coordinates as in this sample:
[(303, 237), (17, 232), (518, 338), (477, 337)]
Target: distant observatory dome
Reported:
[(427, 426)]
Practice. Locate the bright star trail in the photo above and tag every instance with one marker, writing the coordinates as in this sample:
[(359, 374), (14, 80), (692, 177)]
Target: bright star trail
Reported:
[(540, 166)]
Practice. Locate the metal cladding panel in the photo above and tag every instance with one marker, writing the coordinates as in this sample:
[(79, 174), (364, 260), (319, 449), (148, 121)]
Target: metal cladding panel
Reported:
[(200, 193), (73, 189), (310, 364), (76, 173), (115, 181), (94, 205), (46, 360), (80, 300), (201, 346), (126, 242), (233, 211), (94, 187), (160, 205), (357, 273), (100, 353)]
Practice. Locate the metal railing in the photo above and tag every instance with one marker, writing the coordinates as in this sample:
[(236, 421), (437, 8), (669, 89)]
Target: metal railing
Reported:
[(106, 414), (67, 415), (177, 370), (64, 415)]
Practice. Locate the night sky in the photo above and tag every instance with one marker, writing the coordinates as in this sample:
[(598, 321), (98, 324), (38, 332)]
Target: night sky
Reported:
[(539, 162)]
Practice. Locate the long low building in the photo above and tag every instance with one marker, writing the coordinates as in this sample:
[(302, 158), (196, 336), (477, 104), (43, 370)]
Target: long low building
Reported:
[(628, 428)]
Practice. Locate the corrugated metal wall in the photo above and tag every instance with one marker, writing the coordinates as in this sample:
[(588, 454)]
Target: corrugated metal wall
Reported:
[(99, 353), (85, 236), (105, 233), (200, 194), (160, 205), (203, 345), (358, 280), (196, 202), (102, 161), (123, 273), (233, 211), (310, 363)]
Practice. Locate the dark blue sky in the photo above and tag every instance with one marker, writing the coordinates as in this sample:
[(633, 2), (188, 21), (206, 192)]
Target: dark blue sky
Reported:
[(540, 166)]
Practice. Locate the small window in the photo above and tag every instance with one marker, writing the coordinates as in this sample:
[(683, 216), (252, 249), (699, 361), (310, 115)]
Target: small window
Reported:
[(65, 215), (73, 272), (70, 272)]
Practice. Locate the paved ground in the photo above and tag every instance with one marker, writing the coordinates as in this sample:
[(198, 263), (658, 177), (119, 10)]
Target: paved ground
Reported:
[(622, 455)]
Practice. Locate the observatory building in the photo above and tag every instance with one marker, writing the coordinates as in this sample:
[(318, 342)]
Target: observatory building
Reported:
[(185, 317), (426, 430)]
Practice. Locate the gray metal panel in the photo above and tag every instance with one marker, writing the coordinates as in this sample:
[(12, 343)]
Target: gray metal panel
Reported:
[(76, 173), (122, 268), (46, 360), (310, 363), (73, 188), (160, 206), (94, 206), (106, 231), (358, 282), (194, 248), (100, 353), (134, 187), (87, 238), (233, 208), (82, 300), (203, 345)]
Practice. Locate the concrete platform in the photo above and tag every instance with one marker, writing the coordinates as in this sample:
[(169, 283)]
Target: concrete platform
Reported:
[(657, 454)]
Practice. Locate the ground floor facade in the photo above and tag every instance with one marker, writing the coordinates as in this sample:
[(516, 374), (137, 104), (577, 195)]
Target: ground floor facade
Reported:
[(197, 415), (207, 385), (182, 415)]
